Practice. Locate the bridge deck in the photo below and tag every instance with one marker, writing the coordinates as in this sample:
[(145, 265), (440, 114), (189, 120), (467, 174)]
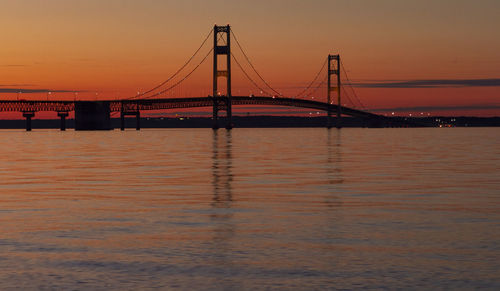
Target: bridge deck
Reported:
[(172, 103)]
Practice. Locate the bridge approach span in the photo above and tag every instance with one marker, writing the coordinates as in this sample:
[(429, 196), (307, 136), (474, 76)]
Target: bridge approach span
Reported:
[(173, 103)]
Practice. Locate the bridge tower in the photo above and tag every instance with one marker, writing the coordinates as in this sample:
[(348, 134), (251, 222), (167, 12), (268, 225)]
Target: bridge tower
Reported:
[(334, 69), (28, 115), (222, 103)]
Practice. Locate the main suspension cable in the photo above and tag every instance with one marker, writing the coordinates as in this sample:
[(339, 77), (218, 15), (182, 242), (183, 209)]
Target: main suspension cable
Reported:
[(350, 85), (248, 77), (346, 94), (319, 85), (246, 74), (177, 72), (312, 82), (181, 80), (251, 65)]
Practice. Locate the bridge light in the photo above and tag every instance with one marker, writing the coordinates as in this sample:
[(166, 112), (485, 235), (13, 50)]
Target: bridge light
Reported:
[(392, 113)]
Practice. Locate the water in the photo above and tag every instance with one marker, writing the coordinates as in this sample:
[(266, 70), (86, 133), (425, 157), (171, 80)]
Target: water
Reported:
[(250, 209)]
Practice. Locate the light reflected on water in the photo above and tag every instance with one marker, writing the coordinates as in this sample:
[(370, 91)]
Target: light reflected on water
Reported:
[(250, 208)]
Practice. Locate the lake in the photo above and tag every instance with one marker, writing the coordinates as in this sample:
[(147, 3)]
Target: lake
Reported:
[(288, 208)]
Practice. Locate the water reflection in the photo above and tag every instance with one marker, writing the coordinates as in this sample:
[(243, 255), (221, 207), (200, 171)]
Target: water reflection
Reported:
[(334, 161), (222, 213), (221, 169), (304, 209)]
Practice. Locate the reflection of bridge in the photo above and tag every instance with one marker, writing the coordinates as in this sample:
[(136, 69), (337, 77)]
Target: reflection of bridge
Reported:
[(96, 114)]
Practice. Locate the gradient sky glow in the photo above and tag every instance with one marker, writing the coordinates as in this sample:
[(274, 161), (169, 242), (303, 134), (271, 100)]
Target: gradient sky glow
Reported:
[(116, 48)]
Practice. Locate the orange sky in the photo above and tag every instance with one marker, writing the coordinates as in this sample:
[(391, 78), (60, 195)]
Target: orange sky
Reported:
[(112, 49)]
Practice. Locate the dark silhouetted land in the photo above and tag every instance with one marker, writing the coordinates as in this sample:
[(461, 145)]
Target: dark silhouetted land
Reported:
[(271, 121)]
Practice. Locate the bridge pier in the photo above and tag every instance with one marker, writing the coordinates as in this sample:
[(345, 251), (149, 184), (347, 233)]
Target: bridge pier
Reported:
[(215, 116), (338, 122), (122, 121), (92, 115), (63, 115), (222, 103), (229, 114), (137, 115), (138, 120), (28, 115)]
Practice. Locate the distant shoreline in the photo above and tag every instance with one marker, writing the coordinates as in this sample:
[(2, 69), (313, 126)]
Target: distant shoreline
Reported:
[(264, 121)]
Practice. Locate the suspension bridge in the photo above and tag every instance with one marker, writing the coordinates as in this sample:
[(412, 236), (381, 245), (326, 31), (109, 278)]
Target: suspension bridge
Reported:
[(95, 115)]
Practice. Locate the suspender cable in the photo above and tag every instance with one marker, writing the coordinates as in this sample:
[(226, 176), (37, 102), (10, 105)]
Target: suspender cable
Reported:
[(177, 72), (312, 82), (248, 77), (251, 65), (319, 86), (181, 80), (350, 85)]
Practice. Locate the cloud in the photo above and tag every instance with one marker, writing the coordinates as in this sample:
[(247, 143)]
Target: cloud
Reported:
[(28, 91), (440, 83), (17, 85), (13, 65), (438, 108)]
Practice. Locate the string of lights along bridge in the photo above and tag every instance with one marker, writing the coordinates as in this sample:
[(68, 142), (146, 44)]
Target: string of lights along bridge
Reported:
[(96, 115)]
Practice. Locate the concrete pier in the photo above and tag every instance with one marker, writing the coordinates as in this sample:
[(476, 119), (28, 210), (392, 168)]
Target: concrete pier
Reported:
[(28, 115), (137, 115), (92, 115), (63, 116)]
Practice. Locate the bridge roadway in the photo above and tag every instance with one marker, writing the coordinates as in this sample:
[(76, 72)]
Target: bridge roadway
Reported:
[(172, 103)]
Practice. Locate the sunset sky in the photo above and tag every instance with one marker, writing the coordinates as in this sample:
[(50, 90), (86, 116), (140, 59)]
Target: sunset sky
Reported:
[(440, 56)]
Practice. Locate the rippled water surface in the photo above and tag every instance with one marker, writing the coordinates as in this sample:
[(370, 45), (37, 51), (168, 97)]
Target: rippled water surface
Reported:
[(250, 209)]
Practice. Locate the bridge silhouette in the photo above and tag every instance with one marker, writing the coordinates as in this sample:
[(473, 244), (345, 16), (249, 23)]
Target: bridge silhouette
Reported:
[(90, 115)]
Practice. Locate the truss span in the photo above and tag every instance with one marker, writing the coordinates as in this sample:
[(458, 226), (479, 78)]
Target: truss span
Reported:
[(175, 103), (165, 104), (35, 106)]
